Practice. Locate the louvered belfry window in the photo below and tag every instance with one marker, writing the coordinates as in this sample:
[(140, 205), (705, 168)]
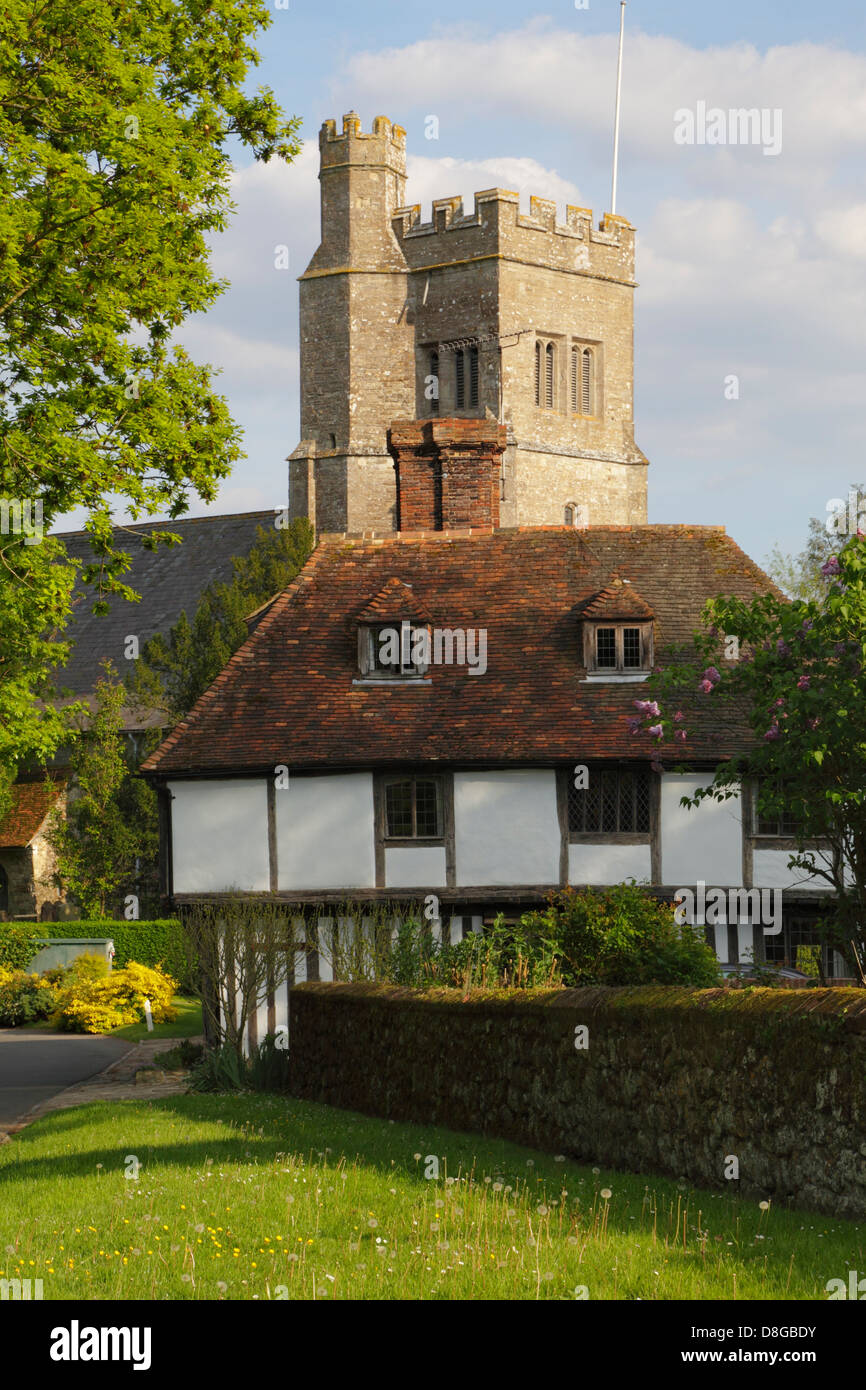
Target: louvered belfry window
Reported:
[(538, 373), (548, 375), (581, 381), (459, 379), (434, 372), (615, 801), (473, 376)]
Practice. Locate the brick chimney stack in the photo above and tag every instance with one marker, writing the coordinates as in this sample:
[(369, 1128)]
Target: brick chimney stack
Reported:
[(447, 473)]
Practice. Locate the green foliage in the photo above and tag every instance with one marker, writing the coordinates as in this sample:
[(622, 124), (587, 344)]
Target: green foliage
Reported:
[(114, 174), (174, 670), (623, 936), (19, 942), (187, 1054), (98, 842), (221, 1069), (157, 943), (616, 936), (800, 683), (23, 998)]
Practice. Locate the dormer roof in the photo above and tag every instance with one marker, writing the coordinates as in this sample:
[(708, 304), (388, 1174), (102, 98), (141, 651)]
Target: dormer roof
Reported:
[(394, 602), (618, 600)]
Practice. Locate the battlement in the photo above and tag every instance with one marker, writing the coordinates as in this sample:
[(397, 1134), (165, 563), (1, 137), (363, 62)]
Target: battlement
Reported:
[(385, 144), (497, 226)]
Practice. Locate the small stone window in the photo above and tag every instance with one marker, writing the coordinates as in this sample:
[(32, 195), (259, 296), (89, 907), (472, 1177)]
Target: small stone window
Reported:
[(582, 380), (576, 514), (545, 374)]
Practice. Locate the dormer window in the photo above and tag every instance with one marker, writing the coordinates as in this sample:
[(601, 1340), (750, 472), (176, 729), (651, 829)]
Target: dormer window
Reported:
[(618, 648), (398, 651), (617, 634)]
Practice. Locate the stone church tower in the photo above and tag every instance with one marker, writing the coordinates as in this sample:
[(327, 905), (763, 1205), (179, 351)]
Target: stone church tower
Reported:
[(489, 315)]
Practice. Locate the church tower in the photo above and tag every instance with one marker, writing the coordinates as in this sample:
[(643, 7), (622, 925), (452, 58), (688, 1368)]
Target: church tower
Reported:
[(490, 315)]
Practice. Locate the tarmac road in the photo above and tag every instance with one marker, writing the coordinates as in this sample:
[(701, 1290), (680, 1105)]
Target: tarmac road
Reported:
[(35, 1065)]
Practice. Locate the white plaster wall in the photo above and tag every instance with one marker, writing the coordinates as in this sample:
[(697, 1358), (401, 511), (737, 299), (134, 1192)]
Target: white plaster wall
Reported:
[(415, 866), (325, 832), (608, 863), (219, 835), (705, 843), (770, 870), (506, 827)]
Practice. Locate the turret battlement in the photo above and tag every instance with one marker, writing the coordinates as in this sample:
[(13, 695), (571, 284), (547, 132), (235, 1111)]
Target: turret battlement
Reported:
[(497, 226), (385, 144)]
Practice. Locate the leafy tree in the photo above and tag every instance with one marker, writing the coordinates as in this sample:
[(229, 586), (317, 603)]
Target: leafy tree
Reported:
[(800, 575), (800, 683), (173, 671), (109, 829), (115, 118)]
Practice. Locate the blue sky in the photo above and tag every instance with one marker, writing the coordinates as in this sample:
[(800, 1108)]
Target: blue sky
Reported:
[(749, 264)]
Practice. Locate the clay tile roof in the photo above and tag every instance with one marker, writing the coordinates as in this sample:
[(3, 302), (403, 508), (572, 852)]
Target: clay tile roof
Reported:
[(618, 599), (393, 602), (31, 802), (287, 695)]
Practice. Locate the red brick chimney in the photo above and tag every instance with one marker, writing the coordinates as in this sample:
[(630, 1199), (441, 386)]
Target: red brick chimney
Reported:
[(447, 473)]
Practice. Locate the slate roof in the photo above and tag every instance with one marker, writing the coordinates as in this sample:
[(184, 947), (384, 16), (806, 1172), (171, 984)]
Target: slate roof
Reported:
[(286, 696), (31, 802), (170, 579)]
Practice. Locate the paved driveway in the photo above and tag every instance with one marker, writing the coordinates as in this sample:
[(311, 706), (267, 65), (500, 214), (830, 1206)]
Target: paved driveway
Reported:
[(34, 1066)]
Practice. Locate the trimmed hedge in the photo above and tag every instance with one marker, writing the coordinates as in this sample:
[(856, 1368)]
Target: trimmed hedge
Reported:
[(648, 1078), (158, 944)]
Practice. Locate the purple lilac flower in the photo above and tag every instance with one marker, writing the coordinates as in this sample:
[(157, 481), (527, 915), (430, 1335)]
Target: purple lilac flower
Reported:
[(706, 687), (712, 674), (832, 567), (657, 731), (804, 682)]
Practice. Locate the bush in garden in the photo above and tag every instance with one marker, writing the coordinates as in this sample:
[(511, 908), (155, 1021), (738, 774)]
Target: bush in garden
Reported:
[(19, 942), (90, 1000), (23, 998), (623, 936)]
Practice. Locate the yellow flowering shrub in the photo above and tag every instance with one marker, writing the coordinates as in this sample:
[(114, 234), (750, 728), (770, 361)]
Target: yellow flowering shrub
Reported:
[(90, 1003)]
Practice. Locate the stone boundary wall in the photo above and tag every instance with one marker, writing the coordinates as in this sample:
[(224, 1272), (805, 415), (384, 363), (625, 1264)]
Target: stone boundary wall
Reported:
[(671, 1080)]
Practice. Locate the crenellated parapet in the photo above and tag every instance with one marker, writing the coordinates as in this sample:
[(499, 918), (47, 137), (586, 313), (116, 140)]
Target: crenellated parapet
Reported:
[(384, 144), (496, 226)]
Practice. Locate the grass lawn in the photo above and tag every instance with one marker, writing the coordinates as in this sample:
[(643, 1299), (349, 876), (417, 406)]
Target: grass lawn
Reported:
[(243, 1197), (188, 1023)]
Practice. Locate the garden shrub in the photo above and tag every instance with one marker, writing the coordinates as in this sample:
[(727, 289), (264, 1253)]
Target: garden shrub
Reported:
[(23, 998), (623, 936), (90, 1000), (19, 942)]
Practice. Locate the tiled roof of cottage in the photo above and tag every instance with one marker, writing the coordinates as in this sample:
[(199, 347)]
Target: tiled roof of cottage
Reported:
[(31, 802), (395, 601), (170, 580), (287, 695)]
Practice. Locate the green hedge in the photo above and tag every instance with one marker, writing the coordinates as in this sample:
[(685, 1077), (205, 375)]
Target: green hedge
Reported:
[(158, 943)]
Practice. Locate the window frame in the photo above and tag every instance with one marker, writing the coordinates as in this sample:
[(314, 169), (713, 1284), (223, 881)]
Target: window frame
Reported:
[(612, 837), (590, 647), (368, 651), (385, 780)]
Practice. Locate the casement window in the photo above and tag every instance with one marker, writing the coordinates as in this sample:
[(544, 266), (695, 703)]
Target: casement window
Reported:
[(615, 801), (466, 378), (618, 648), (582, 380), (413, 808), (399, 650), (779, 824), (545, 374)]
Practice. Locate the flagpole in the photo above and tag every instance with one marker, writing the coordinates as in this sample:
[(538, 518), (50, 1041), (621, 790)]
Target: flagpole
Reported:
[(616, 116)]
